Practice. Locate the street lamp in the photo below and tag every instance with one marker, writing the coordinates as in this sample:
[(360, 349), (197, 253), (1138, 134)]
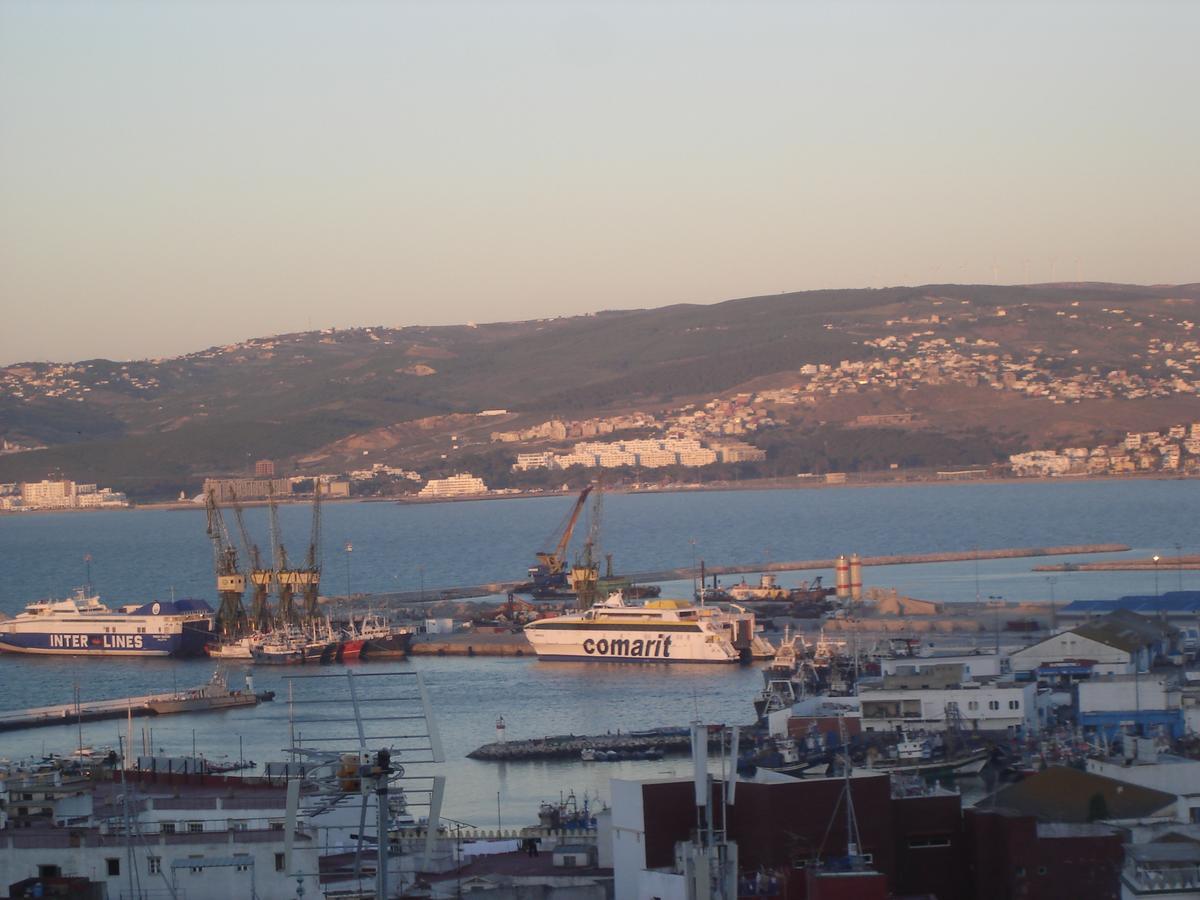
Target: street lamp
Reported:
[(1155, 558)]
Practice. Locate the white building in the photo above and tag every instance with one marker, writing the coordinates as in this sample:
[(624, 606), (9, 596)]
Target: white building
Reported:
[(996, 706), (974, 665), (184, 840), (460, 485), (1120, 643)]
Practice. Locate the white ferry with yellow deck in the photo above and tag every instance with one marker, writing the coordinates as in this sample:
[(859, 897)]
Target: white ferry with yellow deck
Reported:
[(664, 631)]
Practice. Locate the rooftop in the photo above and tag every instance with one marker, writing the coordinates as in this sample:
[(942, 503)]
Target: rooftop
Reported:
[(1061, 794)]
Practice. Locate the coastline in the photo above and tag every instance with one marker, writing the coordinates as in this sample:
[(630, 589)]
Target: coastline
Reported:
[(757, 484)]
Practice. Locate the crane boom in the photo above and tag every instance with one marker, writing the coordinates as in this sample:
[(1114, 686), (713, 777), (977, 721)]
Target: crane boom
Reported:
[(556, 559)]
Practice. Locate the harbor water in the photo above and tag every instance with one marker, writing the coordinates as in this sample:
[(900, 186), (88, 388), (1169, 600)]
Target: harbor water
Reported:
[(141, 555)]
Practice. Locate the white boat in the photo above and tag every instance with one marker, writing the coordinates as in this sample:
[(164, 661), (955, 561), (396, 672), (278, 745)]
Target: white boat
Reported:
[(243, 648), (83, 626), (663, 631)]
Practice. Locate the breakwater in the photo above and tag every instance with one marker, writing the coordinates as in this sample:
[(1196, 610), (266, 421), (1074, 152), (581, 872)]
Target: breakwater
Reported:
[(1163, 564), (682, 574), (569, 746)]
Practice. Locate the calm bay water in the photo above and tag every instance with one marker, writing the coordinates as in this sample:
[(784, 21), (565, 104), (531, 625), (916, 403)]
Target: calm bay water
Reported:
[(140, 555)]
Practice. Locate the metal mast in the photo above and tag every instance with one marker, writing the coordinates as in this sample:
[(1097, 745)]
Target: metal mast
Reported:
[(285, 578), (312, 563)]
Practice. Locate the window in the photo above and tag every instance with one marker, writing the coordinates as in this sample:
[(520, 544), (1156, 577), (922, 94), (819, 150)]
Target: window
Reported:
[(277, 826), (49, 872), (154, 864), (972, 704), (195, 827), (167, 828), (1014, 704), (238, 825), (926, 842), (280, 862), (243, 863), (993, 704), (114, 866)]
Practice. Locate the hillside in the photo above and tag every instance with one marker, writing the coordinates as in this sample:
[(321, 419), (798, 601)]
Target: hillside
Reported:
[(153, 427)]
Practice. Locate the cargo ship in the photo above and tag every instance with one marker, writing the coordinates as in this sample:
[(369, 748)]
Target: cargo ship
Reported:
[(83, 626), (661, 631)]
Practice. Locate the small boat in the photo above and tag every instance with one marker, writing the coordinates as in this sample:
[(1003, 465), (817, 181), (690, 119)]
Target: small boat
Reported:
[(916, 756)]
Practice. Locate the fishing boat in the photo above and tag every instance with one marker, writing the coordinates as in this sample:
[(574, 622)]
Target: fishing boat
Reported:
[(918, 755)]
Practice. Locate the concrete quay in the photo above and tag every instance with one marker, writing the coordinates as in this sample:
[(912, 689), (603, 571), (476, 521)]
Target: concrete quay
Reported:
[(473, 644)]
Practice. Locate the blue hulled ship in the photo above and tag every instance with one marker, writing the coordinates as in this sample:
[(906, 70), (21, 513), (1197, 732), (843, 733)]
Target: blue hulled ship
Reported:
[(83, 626)]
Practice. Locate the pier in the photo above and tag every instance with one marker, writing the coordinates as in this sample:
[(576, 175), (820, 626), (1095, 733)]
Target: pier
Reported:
[(191, 700)]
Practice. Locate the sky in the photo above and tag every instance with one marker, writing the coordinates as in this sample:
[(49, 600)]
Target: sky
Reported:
[(176, 175)]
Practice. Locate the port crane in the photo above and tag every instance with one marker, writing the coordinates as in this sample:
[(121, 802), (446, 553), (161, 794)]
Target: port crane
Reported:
[(585, 574), (231, 583), (261, 577), (550, 571)]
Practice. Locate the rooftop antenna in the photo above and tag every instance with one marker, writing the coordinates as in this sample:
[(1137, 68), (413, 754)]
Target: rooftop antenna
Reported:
[(336, 767)]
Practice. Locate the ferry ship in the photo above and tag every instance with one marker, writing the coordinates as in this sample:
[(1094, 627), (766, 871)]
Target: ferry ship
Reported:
[(83, 626), (663, 631)]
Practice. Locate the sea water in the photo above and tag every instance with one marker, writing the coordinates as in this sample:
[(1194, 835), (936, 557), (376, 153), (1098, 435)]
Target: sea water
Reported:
[(137, 555)]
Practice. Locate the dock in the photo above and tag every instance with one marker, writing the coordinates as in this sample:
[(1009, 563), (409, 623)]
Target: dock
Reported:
[(118, 708), (471, 645), (467, 592)]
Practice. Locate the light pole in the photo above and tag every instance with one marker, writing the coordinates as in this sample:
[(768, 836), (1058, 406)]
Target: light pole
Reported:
[(349, 550), (999, 601), (1155, 558), (695, 590)]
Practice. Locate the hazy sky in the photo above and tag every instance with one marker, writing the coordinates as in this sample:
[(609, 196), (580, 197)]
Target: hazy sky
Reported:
[(180, 174)]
